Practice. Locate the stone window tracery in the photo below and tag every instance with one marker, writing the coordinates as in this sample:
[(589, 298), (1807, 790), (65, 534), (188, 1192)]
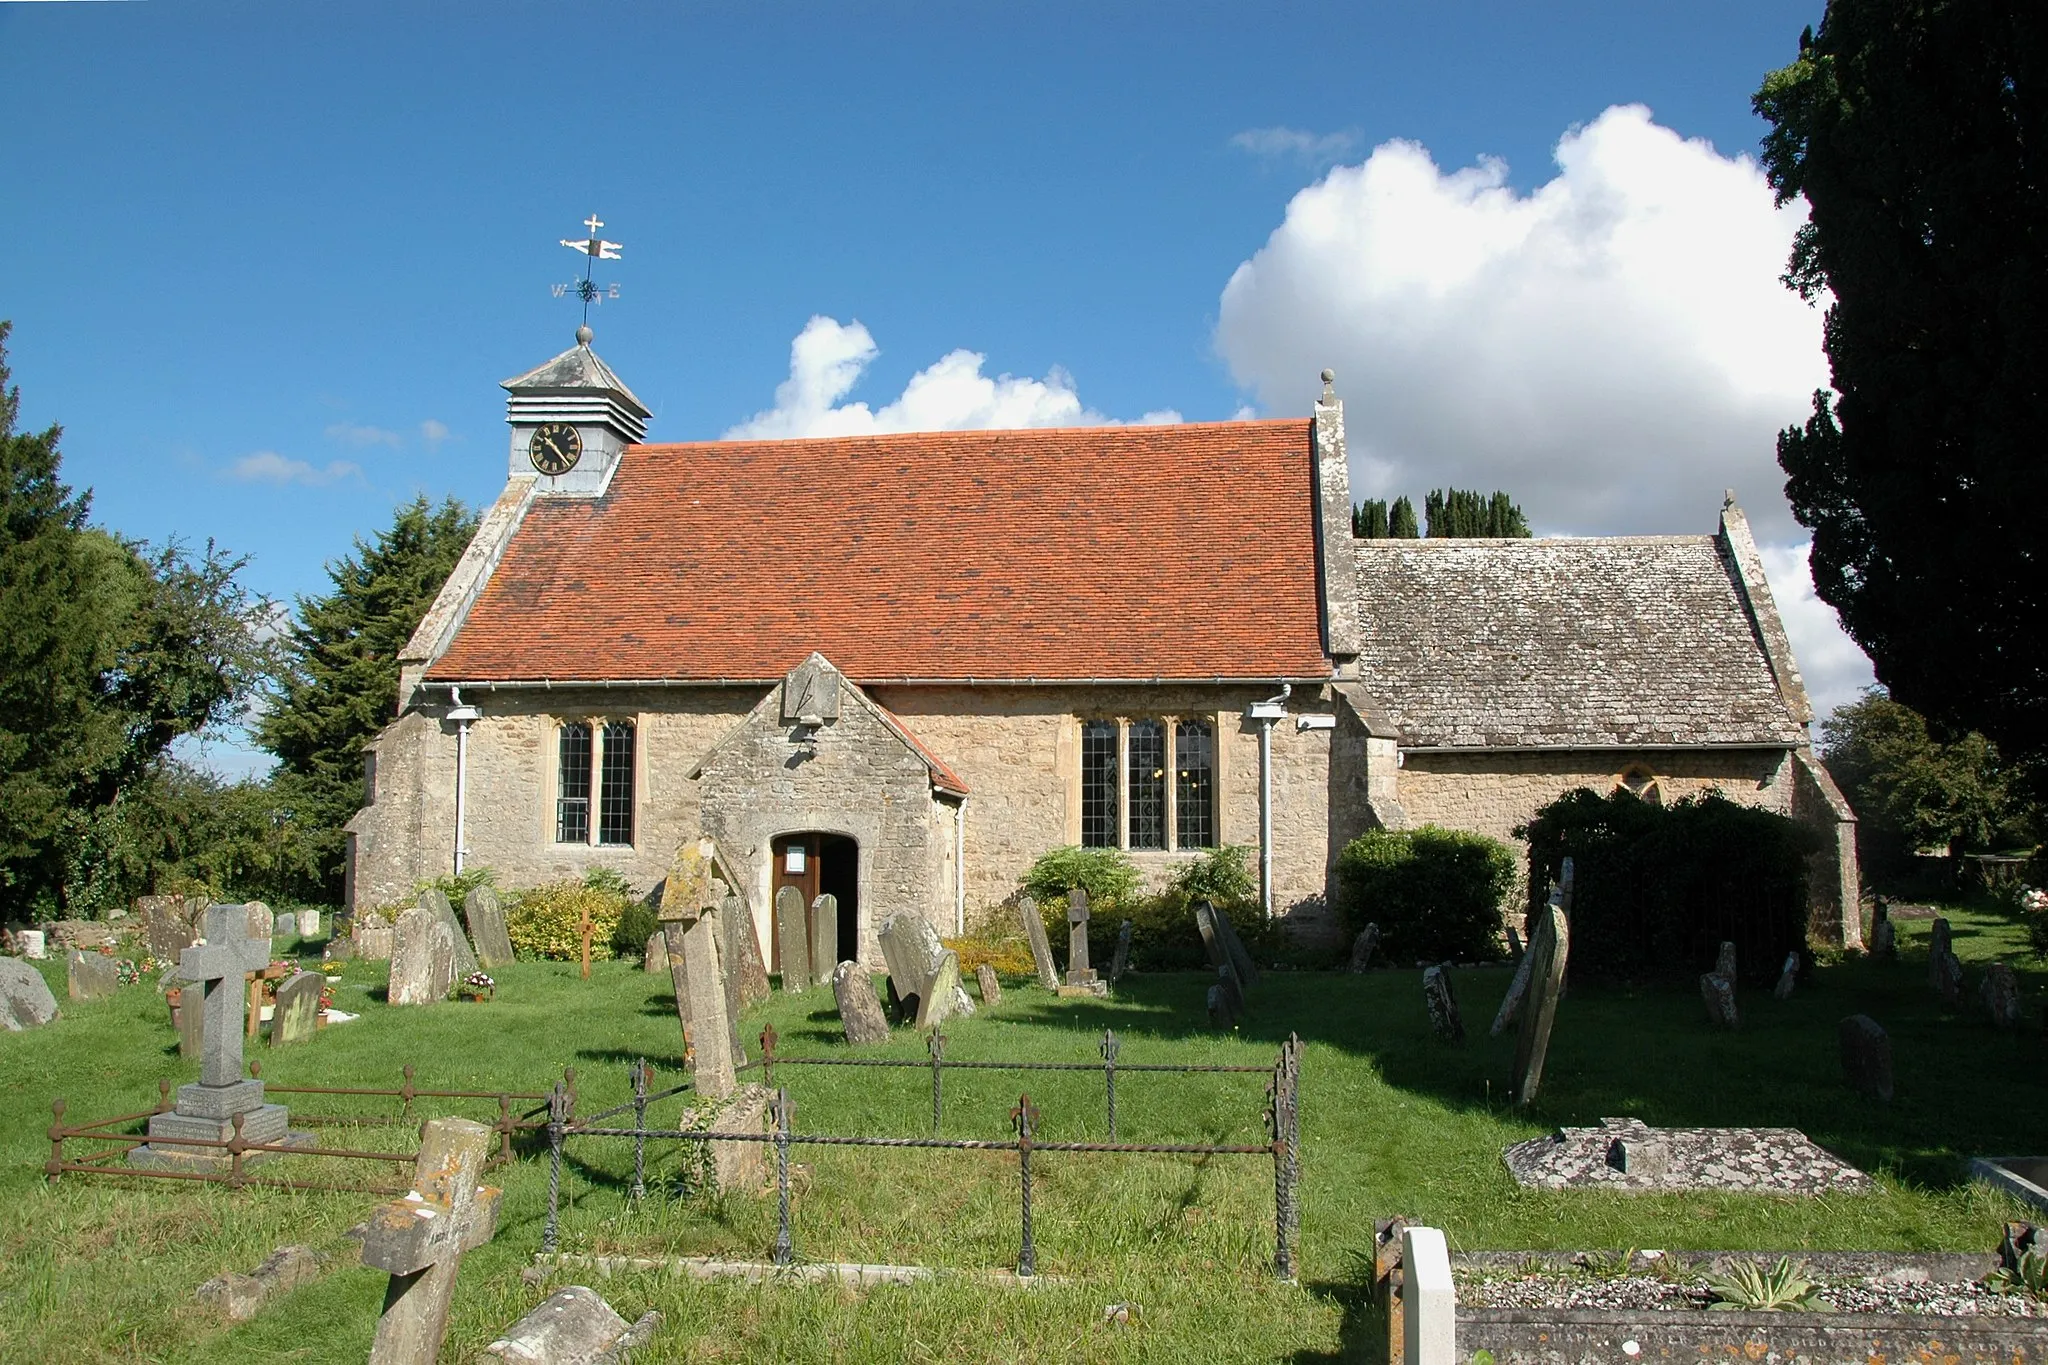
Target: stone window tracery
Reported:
[(1148, 784)]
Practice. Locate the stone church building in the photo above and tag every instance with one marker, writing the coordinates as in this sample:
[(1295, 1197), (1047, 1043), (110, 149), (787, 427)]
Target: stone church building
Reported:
[(899, 668)]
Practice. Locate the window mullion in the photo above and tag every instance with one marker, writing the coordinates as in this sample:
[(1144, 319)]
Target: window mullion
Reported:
[(1171, 765)]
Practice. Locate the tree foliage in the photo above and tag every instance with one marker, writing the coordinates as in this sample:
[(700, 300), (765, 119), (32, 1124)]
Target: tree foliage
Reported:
[(339, 683), (1449, 511), (1912, 791), (1435, 893), (1915, 130), (109, 651)]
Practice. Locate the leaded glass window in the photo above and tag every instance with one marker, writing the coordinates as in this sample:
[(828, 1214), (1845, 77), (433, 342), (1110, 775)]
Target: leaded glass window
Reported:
[(615, 795), (572, 785), (1194, 785), (1147, 782), (1098, 784)]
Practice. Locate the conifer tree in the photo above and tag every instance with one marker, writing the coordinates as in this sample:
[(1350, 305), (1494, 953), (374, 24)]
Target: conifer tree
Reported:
[(1369, 519), (1401, 521)]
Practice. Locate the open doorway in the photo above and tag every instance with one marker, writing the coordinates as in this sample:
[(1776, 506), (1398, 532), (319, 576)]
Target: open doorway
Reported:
[(819, 864)]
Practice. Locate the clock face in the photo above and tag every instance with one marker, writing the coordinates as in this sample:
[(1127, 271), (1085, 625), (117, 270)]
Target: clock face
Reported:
[(554, 448)]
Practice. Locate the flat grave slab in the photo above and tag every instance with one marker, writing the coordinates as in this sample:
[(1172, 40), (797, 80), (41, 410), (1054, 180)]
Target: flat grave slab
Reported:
[(1629, 1155)]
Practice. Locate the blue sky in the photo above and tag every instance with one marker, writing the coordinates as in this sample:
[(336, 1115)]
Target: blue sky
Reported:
[(267, 263)]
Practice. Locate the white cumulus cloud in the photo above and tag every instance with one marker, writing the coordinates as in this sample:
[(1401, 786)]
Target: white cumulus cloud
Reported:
[(433, 432), (1294, 144), (828, 358), (267, 466)]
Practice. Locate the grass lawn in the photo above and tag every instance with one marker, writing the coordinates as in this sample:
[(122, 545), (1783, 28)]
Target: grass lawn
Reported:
[(1392, 1122)]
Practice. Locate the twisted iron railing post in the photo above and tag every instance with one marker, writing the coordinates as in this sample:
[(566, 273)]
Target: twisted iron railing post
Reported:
[(639, 1127), (785, 1250), (937, 1044), (1024, 1117), (558, 1114), (1110, 1045)]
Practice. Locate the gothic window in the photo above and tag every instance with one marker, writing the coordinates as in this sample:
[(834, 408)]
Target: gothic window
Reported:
[(1640, 782), (1147, 770), (615, 795), (1099, 785), (572, 785), (1194, 785)]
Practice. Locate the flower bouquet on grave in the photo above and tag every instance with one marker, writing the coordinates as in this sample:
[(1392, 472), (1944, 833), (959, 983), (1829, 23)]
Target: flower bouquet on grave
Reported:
[(477, 986), (127, 972)]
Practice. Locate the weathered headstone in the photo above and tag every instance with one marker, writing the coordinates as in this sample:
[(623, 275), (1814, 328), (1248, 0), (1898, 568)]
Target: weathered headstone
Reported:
[(572, 1326), (742, 948), (374, 939), (991, 989), (1220, 1013), (1079, 972), (1041, 951), (912, 950), (25, 999), (432, 899), (422, 959), (487, 927), (1549, 951), (1120, 960), (1724, 964), (940, 998), (297, 1015), (824, 937), (688, 890), (654, 958), (1518, 989), (1788, 977), (1364, 946), (166, 931), (285, 925), (1717, 992), (792, 937), (1884, 936), (860, 1014), (2001, 995), (1944, 968), (1233, 991), (1443, 1005), (238, 1298), (90, 976), (1866, 1056), (1240, 957), (211, 976), (309, 924), (259, 919), (1212, 937), (1514, 943), (189, 1019), (419, 1240), (703, 994)]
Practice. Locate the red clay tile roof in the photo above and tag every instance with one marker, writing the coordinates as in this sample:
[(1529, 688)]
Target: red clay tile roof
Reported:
[(1092, 552)]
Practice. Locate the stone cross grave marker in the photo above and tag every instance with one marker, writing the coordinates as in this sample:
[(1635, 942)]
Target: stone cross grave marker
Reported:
[(1443, 1005), (1788, 977), (1041, 951), (824, 941), (743, 951), (1866, 1057), (860, 1013), (435, 902), (1549, 950), (297, 1016), (422, 959), (1079, 973), (1240, 957), (211, 974), (1120, 960), (25, 999), (991, 989), (419, 1240), (710, 1033), (90, 975), (487, 927), (1364, 946), (792, 936)]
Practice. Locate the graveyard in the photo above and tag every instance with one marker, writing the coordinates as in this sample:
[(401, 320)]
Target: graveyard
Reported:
[(1138, 1256)]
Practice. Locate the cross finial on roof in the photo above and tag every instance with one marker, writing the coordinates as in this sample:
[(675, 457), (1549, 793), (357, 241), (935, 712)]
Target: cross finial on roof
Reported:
[(593, 248)]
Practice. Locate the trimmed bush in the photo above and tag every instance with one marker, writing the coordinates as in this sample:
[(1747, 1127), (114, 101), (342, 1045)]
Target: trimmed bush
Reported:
[(1657, 889), (547, 921), (1435, 893), (637, 924)]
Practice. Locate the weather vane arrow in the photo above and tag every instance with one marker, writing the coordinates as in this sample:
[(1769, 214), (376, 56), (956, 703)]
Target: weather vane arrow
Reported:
[(593, 248)]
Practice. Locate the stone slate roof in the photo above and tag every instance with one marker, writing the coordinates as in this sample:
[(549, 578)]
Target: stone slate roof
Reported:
[(1633, 640), (1164, 552), (573, 371)]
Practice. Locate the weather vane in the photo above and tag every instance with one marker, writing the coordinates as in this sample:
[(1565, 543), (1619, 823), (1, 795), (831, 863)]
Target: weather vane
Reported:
[(594, 249)]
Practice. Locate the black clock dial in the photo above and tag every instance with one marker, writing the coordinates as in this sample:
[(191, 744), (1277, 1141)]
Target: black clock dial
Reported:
[(554, 448)]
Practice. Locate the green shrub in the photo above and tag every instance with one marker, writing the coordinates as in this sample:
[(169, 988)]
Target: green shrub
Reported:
[(1658, 889), (1222, 876), (1106, 874), (546, 921), (1435, 893), (458, 887), (637, 924)]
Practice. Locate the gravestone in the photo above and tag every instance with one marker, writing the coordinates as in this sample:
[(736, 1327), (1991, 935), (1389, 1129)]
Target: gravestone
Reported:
[(1724, 964), (572, 1326), (25, 999), (374, 939), (1041, 951), (1240, 958), (1866, 1057), (90, 976), (1514, 944), (285, 925), (1518, 989), (1120, 960), (654, 958), (259, 918), (1364, 946), (912, 950), (34, 944), (1443, 1005), (1549, 951), (743, 951), (433, 900), (2001, 995), (422, 959), (239, 1298), (1718, 994), (211, 976), (1944, 968), (702, 993), (297, 1016), (1788, 977), (991, 989), (824, 941), (419, 1240), (487, 927), (1233, 990), (688, 890), (189, 1019), (166, 929), (309, 924), (1224, 999), (860, 1014), (941, 996), (1079, 972), (1884, 939), (1212, 937), (792, 937)]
